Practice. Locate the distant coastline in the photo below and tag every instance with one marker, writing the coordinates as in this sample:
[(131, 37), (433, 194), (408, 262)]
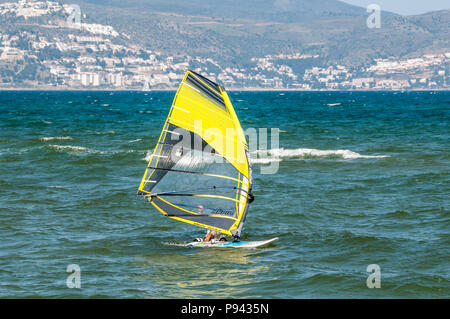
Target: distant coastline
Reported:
[(228, 89)]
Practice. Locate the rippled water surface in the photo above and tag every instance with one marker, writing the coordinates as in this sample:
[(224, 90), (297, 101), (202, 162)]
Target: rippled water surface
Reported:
[(363, 179)]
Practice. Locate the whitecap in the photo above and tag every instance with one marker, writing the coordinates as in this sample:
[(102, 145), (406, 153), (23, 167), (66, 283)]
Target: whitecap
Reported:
[(59, 138), (76, 150), (56, 186), (104, 133), (148, 156), (267, 156), (266, 160), (68, 147)]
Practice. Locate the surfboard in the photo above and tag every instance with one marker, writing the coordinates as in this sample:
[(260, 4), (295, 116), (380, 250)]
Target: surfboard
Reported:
[(231, 244)]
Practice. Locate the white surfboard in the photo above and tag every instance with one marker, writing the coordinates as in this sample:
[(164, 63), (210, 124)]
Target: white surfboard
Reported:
[(231, 244)]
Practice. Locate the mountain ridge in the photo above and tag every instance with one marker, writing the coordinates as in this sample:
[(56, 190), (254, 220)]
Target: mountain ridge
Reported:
[(309, 35), (322, 31)]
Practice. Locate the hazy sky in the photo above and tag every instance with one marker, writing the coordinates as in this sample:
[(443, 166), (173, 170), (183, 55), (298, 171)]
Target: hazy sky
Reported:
[(405, 7)]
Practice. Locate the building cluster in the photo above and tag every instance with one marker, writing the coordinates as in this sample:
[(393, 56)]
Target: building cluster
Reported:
[(431, 71), (97, 56), (27, 9)]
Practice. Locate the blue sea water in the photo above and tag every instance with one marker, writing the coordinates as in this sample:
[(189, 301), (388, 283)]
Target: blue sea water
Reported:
[(363, 179)]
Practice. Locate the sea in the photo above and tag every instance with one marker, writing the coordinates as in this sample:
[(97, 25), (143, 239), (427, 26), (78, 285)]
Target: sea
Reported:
[(359, 200)]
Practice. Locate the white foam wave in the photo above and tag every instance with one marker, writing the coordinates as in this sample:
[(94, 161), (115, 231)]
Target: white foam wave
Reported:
[(148, 156), (103, 133), (136, 140), (56, 186), (80, 150), (276, 155), (59, 138), (70, 148), (266, 160)]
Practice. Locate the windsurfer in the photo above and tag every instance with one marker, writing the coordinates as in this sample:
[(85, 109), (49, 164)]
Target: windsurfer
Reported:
[(211, 234)]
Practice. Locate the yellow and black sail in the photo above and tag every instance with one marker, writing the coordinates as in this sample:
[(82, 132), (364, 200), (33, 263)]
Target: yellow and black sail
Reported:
[(199, 172)]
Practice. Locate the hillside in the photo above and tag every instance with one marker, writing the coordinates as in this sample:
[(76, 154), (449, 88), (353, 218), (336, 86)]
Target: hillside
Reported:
[(236, 30), (255, 36)]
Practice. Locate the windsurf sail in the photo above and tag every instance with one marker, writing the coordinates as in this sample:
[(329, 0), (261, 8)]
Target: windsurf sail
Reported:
[(199, 172)]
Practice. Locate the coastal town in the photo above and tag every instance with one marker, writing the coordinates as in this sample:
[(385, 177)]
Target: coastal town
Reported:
[(72, 54)]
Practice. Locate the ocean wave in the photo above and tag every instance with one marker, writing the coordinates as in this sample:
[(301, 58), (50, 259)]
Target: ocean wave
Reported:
[(81, 150), (71, 148), (136, 140), (276, 155), (266, 160), (59, 138), (103, 133)]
